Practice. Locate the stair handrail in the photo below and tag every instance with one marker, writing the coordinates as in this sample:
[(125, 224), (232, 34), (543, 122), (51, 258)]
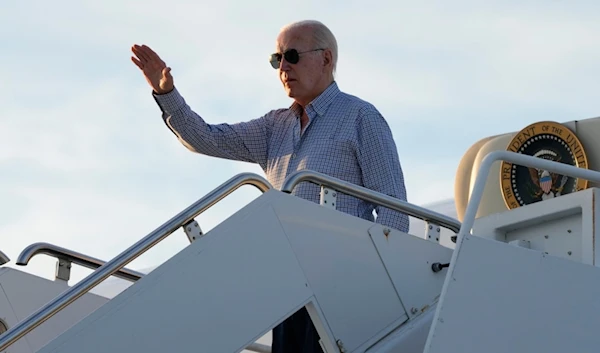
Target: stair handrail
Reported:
[(3, 258), (370, 196), (59, 252), (522, 160), (79, 289)]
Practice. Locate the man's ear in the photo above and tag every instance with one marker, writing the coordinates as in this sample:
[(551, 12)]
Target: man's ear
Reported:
[(327, 57)]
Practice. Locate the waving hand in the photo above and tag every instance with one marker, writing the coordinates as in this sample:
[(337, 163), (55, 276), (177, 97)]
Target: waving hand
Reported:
[(157, 73)]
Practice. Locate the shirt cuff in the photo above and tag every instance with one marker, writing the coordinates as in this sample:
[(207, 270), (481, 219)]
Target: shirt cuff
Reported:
[(169, 102)]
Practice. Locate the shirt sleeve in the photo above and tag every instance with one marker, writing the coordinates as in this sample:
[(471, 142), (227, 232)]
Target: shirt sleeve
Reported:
[(380, 165), (245, 141)]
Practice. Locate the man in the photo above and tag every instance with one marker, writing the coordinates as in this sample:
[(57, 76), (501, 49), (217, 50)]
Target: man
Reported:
[(324, 130)]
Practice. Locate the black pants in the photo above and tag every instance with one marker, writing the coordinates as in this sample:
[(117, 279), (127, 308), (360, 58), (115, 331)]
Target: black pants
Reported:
[(296, 334)]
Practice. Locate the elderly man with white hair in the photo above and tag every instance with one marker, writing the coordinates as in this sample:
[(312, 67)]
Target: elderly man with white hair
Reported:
[(324, 129)]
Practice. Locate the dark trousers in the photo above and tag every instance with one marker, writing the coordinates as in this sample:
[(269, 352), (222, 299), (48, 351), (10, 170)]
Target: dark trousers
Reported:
[(296, 334)]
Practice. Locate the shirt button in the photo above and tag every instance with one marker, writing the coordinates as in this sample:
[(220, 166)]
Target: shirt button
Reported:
[(293, 155)]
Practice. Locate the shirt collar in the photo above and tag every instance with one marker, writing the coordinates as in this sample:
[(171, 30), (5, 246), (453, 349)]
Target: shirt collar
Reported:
[(321, 103)]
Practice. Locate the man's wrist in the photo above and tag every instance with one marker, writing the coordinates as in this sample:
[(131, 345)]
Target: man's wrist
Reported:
[(161, 92)]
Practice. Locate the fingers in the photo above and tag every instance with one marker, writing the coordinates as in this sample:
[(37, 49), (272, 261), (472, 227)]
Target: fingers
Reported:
[(140, 53), (146, 54), (150, 53), (137, 63)]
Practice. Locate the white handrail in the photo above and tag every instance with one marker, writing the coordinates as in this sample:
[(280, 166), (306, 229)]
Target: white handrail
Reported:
[(520, 159), (370, 196), (72, 256)]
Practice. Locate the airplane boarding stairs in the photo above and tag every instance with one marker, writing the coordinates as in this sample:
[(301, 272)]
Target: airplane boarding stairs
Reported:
[(21, 293), (525, 281)]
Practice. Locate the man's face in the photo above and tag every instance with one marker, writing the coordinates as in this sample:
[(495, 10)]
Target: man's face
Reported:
[(301, 79)]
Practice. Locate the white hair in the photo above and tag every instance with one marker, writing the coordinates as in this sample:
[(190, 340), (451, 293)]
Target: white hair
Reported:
[(323, 38)]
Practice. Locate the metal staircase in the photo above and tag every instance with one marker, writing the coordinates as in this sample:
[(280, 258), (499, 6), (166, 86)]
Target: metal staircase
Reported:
[(367, 288), (185, 219)]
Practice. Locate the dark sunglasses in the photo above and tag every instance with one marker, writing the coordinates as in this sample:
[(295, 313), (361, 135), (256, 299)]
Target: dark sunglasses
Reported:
[(292, 56)]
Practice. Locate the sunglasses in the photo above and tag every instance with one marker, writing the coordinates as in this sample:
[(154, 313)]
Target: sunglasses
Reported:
[(292, 56)]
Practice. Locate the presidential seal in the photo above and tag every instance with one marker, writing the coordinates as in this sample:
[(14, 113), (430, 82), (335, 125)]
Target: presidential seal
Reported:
[(549, 140)]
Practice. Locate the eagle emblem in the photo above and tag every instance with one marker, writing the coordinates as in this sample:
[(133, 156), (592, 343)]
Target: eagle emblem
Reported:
[(546, 185), (523, 185)]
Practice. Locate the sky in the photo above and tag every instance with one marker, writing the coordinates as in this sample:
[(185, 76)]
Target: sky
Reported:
[(88, 164)]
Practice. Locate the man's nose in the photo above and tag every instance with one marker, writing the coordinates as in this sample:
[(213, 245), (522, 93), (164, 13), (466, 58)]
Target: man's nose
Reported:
[(284, 65)]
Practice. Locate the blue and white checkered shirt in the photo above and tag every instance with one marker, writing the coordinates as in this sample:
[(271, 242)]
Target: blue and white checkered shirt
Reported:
[(345, 137)]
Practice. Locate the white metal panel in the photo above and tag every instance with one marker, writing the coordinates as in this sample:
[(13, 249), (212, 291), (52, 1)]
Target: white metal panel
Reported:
[(556, 226), (25, 293), (344, 270), (559, 237), (9, 318), (410, 337), (408, 261), (503, 298), (218, 294)]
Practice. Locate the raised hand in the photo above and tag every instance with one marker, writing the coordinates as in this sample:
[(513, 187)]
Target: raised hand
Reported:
[(157, 73)]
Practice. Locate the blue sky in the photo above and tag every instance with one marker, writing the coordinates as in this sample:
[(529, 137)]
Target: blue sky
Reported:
[(87, 163)]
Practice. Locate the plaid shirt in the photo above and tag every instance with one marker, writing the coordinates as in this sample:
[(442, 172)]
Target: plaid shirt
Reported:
[(345, 137)]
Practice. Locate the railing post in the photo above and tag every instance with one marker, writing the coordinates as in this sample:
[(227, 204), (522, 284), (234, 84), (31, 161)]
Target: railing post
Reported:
[(432, 232), (192, 230), (328, 197), (63, 270)]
